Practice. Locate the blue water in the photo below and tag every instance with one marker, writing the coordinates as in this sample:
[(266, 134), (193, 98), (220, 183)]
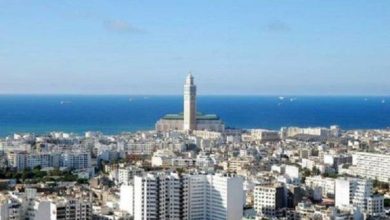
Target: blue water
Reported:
[(114, 114)]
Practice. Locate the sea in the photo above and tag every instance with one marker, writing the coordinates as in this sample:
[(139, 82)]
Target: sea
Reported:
[(41, 114)]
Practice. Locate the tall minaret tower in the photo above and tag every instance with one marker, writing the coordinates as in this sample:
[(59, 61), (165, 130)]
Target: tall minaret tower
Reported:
[(189, 104)]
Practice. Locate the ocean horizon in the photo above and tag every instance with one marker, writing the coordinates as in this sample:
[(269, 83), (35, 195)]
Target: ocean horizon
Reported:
[(113, 114)]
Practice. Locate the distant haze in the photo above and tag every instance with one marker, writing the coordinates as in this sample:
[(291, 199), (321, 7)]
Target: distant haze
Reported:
[(259, 47)]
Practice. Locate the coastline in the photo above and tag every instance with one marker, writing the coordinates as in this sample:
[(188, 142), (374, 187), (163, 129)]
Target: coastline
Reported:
[(115, 114)]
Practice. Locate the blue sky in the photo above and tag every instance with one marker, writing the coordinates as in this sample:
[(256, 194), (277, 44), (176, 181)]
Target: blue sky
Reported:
[(258, 47)]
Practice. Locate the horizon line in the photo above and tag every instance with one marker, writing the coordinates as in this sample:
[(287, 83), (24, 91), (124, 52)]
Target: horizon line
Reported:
[(211, 94)]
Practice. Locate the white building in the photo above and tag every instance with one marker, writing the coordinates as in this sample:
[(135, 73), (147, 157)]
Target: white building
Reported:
[(147, 194), (189, 104), (213, 197), (10, 209), (293, 173), (335, 160), (326, 185), (30, 205), (140, 148), (359, 194), (126, 174), (126, 202), (173, 196), (371, 165), (21, 160), (269, 199), (63, 209), (162, 158), (76, 160)]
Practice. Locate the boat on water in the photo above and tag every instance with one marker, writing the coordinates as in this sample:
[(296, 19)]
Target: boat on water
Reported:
[(65, 102)]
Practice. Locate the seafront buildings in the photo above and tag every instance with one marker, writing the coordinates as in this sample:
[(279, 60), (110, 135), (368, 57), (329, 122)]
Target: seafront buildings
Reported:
[(196, 169), (190, 119)]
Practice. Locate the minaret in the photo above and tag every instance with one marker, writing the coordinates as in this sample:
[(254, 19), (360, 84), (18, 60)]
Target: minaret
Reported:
[(189, 104)]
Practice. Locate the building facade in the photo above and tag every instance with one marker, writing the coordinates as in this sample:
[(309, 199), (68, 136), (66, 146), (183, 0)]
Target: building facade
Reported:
[(190, 119), (189, 104), (269, 200), (189, 196), (372, 165), (21, 160), (358, 193)]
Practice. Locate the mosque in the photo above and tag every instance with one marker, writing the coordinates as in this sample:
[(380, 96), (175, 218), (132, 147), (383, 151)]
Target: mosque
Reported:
[(190, 119)]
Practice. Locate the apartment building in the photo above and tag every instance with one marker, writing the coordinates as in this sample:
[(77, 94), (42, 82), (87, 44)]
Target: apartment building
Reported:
[(358, 193), (188, 196), (269, 199), (372, 165)]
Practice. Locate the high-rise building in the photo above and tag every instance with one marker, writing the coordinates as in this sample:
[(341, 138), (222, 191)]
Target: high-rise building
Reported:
[(190, 119), (372, 165), (126, 199), (189, 104), (358, 193), (213, 197), (189, 196)]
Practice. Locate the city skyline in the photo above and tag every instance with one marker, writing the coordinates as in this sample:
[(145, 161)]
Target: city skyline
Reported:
[(217, 110), (234, 48)]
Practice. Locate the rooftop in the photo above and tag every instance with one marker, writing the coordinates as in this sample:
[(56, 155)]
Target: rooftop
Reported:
[(199, 116)]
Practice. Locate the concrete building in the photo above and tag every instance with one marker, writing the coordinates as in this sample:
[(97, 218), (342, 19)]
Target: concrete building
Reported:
[(10, 209), (262, 135), (372, 165), (76, 160), (21, 160), (326, 185), (375, 205), (359, 194), (162, 158), (126, 200), (189, 104), (126, 174), (269, 200), (352, 191), (336, 160), (213, 197), (287, 132), (189, 196), (63, 209), (191, 119), (32, 206), (145, 197), (293, 173)]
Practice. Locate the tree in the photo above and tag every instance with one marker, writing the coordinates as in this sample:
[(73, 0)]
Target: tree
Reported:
[(316, 171)]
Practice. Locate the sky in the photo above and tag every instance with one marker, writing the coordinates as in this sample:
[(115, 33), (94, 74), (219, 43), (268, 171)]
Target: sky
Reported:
[(249, 47)]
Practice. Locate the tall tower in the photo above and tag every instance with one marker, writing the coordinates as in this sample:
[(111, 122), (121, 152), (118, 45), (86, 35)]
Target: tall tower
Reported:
[(189, 104)]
